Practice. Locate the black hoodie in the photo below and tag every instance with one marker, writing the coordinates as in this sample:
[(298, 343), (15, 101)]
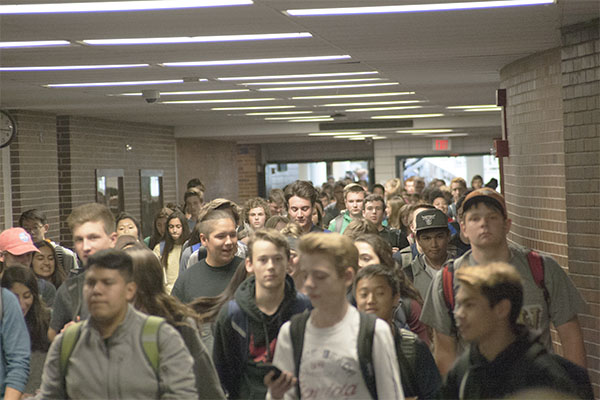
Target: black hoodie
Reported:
[(242, 331)]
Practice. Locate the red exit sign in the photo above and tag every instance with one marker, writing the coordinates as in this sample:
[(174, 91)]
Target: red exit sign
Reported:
[(442, 145)]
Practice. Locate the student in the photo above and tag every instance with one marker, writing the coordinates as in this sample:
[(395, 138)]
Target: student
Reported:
[(551, 299), (354, 199), (276, 200), (170, 253), (93, 228), (109, 347), (375, 212), (127, 224), (329, 358), (376, 289), (335, 207), (210, 276), (263, 302), (14, 348), (503, 357), (44, 265), (36, 224), (301, 197), (432, 235), (23, 283), (159, 228), (458, 187), (256, 212), (193, 200)]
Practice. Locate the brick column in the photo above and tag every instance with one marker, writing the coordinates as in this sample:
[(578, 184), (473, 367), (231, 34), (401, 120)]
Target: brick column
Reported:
[(248, 160)]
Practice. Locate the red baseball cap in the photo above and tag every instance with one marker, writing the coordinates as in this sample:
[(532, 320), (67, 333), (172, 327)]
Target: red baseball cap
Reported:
[(485, 194), (17, 242)]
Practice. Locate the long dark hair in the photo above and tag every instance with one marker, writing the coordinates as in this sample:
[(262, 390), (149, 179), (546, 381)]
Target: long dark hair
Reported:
[(59, 275), (383, 249), (208, 307), (38, 316), (169, 242), (156, 237), (124, 215), (151, 296)]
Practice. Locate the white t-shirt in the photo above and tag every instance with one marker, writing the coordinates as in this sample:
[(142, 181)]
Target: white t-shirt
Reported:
[(329, 367)]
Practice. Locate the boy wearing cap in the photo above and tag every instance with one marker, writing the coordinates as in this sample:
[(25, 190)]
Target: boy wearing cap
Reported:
[(555, 299), (432, 235)]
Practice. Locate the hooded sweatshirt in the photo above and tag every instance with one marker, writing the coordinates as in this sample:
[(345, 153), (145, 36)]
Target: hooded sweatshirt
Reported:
[(245, 339)]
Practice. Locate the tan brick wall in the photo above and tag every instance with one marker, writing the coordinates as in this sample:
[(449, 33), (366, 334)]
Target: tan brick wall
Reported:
[(248, 162), (580, 64)]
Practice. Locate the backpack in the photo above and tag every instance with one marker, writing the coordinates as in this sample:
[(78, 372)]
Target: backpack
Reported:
[(536, 266), (149, 339)]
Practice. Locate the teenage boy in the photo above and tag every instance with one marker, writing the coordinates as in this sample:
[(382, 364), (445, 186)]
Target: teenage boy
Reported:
[(407, 254), (109, 358), (36, 224), (334, 208), (193, 199), (375, 212), (329, 366), (432, 235), (262, 303), (553, 298), (301, 197), (503, 358), (255, 213), (211, 275), (93, 228), (376, 290), (458, 187), (354, 199)]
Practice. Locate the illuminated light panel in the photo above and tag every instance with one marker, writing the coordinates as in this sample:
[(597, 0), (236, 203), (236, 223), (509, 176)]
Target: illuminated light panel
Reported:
[(353, 136), (250, 108), (312, 120), (349, 96), (109, 6), (38, 43), (196, 39), (189, 92), (279, 89), (441, 135), (285, 118), (123, 83), (475, 106), (374, 138), (216, 101), (72, 67), (323, 75), (333, 133), (407, 116), (311, 82), (254, 61), (280, 113), (381, 108), (371, 103), (483, 109), (417, 131), (474, 5)]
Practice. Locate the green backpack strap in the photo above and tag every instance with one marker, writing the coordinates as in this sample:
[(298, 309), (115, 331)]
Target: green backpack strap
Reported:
[(69, 339), (366, 333), (150, 340), (405, 342)]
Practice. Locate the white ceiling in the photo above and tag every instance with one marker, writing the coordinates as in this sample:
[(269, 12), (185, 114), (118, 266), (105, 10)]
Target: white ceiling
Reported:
[(447, 58)]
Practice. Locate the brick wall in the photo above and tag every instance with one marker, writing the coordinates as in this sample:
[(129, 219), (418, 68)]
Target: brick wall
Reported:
[(580, 65), (248, 162), (214, 162)]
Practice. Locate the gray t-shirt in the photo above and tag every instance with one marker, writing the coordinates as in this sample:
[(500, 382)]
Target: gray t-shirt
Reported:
[(565, 300), (69, 303)]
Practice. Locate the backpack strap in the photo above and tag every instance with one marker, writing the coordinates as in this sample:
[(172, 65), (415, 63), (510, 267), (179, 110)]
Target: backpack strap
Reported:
[(239, 323), (149, 340), (366, 333), (448, 290), (536, 265), (405, 343), (297, 327), (196, 246), (69, 340)]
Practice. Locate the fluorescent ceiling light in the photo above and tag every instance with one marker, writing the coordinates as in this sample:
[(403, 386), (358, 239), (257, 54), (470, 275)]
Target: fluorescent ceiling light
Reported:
[(216, 101), (374, 138), (447, 135), (254, 61), (354, 136), (409, 116), (279, 89), (333, 133), (348, 96), (123, 83), (323, 75), (37, 43), (372, 103), (73, 67), (311, 82), (483, 109), (189, 92), (381, 108), (312, 120), (196, 39), (106, 6), (284, 118), (251, 108), (418, 131), (472, 5), (280, 113), (476, 106)]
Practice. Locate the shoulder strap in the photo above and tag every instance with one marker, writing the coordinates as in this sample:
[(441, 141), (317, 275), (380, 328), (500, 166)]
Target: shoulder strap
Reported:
[(69, 340), (366, 333), (239, 323), (536, 265), (448, 285), (196, 246), (297, 328), (405, 344), (150, 341), (300, 304), (162, 246)]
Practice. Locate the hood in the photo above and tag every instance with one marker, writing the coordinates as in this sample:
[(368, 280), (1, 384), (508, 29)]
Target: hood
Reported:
[(525, 339)]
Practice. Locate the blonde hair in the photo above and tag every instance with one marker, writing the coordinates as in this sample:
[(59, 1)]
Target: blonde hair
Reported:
[(340, 249)]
